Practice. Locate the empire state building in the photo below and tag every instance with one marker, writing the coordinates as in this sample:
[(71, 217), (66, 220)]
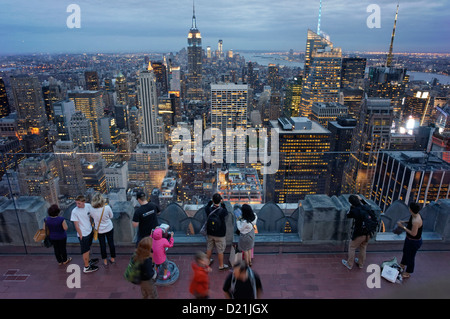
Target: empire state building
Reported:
[(194, 77)]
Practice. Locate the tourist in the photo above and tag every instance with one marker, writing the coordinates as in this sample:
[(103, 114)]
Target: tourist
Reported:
[(143, 256), (216, 229), (159, 251), (199, 286), (246, 226), (102, 215), (82, 222), (413, 240), (242, 283), (57, 227), (145, 217), (359, 239)]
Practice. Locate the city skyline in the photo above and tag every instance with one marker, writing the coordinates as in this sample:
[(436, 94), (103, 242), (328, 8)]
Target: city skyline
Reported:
[(161, 26)]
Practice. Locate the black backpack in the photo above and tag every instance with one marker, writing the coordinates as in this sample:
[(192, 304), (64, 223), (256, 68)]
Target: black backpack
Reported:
[(370, 222), (214, 222)]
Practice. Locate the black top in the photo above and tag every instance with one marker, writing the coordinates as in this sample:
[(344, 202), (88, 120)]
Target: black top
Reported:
[(145, 215), (358, 213), (147, 270), (419, 231), (242, 289), (222, 213)]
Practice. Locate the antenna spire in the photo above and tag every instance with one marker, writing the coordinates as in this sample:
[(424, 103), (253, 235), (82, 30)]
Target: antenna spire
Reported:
[(320, 16), (194, 20), (390, 55)]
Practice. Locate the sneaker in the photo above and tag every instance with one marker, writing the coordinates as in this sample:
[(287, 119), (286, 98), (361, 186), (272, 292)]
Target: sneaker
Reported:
[(89, 269), (93, 261), (345, 263), (167, 276), (357, 263), (225, 266)]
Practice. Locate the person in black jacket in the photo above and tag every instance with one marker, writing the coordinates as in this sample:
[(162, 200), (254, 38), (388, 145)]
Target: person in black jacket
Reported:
[(216, 229), (359, 239)]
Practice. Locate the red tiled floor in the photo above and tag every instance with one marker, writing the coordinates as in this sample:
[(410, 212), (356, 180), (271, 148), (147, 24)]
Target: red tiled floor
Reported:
[(284, 276)]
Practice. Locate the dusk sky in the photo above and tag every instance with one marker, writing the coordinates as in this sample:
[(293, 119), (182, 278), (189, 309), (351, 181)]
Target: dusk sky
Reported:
[(109, 26)]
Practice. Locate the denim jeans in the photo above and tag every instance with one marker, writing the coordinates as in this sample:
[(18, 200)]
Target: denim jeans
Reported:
[(410, 248)]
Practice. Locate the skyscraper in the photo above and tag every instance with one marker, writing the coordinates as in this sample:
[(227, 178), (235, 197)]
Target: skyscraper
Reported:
[(371, 135), (90, 103), (30, 107), (80, 132), (4, 104), (303, 160), (91, 79), (352, 72), (410, 176), (148, 100), (195, 55), (322, 73), (229, 107)]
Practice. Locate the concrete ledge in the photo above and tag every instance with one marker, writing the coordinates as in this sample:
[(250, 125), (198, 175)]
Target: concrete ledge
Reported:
[(390, 236)]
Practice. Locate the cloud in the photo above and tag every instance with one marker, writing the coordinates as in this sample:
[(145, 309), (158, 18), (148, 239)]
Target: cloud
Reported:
[(242, 24)]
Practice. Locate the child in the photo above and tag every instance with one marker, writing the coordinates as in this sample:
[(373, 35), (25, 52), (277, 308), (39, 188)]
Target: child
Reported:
[(143, 256), (159, 250), (199, 286)]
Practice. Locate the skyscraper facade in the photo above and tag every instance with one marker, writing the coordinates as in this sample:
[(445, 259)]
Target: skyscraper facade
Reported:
[(322, 73), (371, 135), (5, 109), (229, 107), (303, 160), (195, 56), (90, 103), (148, 100), (30, 107)]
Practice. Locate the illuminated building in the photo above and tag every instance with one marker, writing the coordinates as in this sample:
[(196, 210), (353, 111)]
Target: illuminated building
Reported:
[(52, 93), (293, 96), (38, 176), (116, 174), (322, 73), (195, 56), (94, 175), (410, 176), (12, 153), (121, 90), (71, 182), (418, 107), (443, 119), (90, 103), (30, 106), (63, 111), (303, 160), (352, 100), (371, 135), (352, 72), (160, 71), (388, 83), (229, 107), (148, 166), (239, 185), (273, 78), (91, 79), (4, 104), (323, 113), (340, 145)]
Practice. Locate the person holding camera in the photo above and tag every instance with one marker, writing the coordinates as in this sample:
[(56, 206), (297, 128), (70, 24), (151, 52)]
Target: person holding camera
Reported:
[(216, 229), (160, 243)]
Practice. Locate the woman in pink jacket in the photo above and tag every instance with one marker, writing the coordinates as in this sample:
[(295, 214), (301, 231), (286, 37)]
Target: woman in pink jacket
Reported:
[(159, 250)]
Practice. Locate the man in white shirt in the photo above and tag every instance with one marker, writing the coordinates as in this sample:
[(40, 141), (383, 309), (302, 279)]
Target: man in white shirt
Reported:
[(82, 222)]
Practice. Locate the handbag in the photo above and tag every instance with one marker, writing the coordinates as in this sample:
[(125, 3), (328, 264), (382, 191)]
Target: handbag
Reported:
[(96, 230), (39, 235)]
